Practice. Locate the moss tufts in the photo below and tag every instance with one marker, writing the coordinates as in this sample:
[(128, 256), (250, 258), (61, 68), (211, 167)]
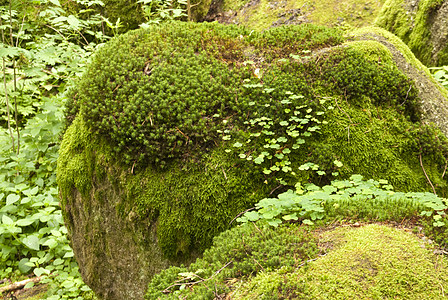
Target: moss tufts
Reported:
[(163, 93), (243, 251)]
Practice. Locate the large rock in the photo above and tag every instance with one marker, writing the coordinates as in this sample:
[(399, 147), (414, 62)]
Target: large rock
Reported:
[(421, 24), (151, 167), (262, 14)]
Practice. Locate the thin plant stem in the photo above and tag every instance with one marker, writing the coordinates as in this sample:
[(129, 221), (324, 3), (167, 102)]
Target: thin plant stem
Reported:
[(6, 95), (16, 113), (7, 107)]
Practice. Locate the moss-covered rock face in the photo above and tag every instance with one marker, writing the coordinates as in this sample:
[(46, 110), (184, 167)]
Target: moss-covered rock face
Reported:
[(421, 25), (151, 167), (264, 14)]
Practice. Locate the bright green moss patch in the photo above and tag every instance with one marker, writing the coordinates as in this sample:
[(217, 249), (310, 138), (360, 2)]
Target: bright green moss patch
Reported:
[(395, 41), (375, 262)]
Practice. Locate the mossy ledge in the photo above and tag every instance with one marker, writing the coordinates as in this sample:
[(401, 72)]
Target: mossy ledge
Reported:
[(144, 175)]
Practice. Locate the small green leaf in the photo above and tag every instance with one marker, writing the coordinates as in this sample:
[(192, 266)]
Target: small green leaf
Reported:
[(282, 139), (12, 198), (290, 217), (252, 216), (39, 271), (7, 220), (267, 172), (438, 224), (23, 265), (32, 242), (69, 254), (338, 164), (308, 222), (274, 222), (259, 160), (237, 145), (25, 222), (58, 262)]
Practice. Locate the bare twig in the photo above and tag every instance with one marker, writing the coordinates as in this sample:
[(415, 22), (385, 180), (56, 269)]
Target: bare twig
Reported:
[(309, 260), (167, 290), (189, 10), (423, 168), (224, 172), (278, 186), (352, 124), (444, 170), (19, 284), (10, 24), (241, 213), (407, 94)]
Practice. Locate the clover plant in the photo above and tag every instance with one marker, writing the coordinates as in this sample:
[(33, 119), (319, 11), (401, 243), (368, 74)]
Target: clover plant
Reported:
[(310, 202)]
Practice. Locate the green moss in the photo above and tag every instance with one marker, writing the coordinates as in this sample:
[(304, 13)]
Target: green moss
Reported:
[(372, 262), (264, 14), (75, 166), (373, 51), (243, 251), (147, 108), (412, 23), (398, 44), (193, 201), (370, 265), (165, 92), (394, 40)]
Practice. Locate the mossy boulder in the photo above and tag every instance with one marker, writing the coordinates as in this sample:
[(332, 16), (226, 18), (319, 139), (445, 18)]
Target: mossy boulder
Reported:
[(163, 147), (263, 14), (421, 25)]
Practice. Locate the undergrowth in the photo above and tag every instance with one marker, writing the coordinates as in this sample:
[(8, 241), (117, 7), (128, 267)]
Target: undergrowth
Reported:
[(270, 240)]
